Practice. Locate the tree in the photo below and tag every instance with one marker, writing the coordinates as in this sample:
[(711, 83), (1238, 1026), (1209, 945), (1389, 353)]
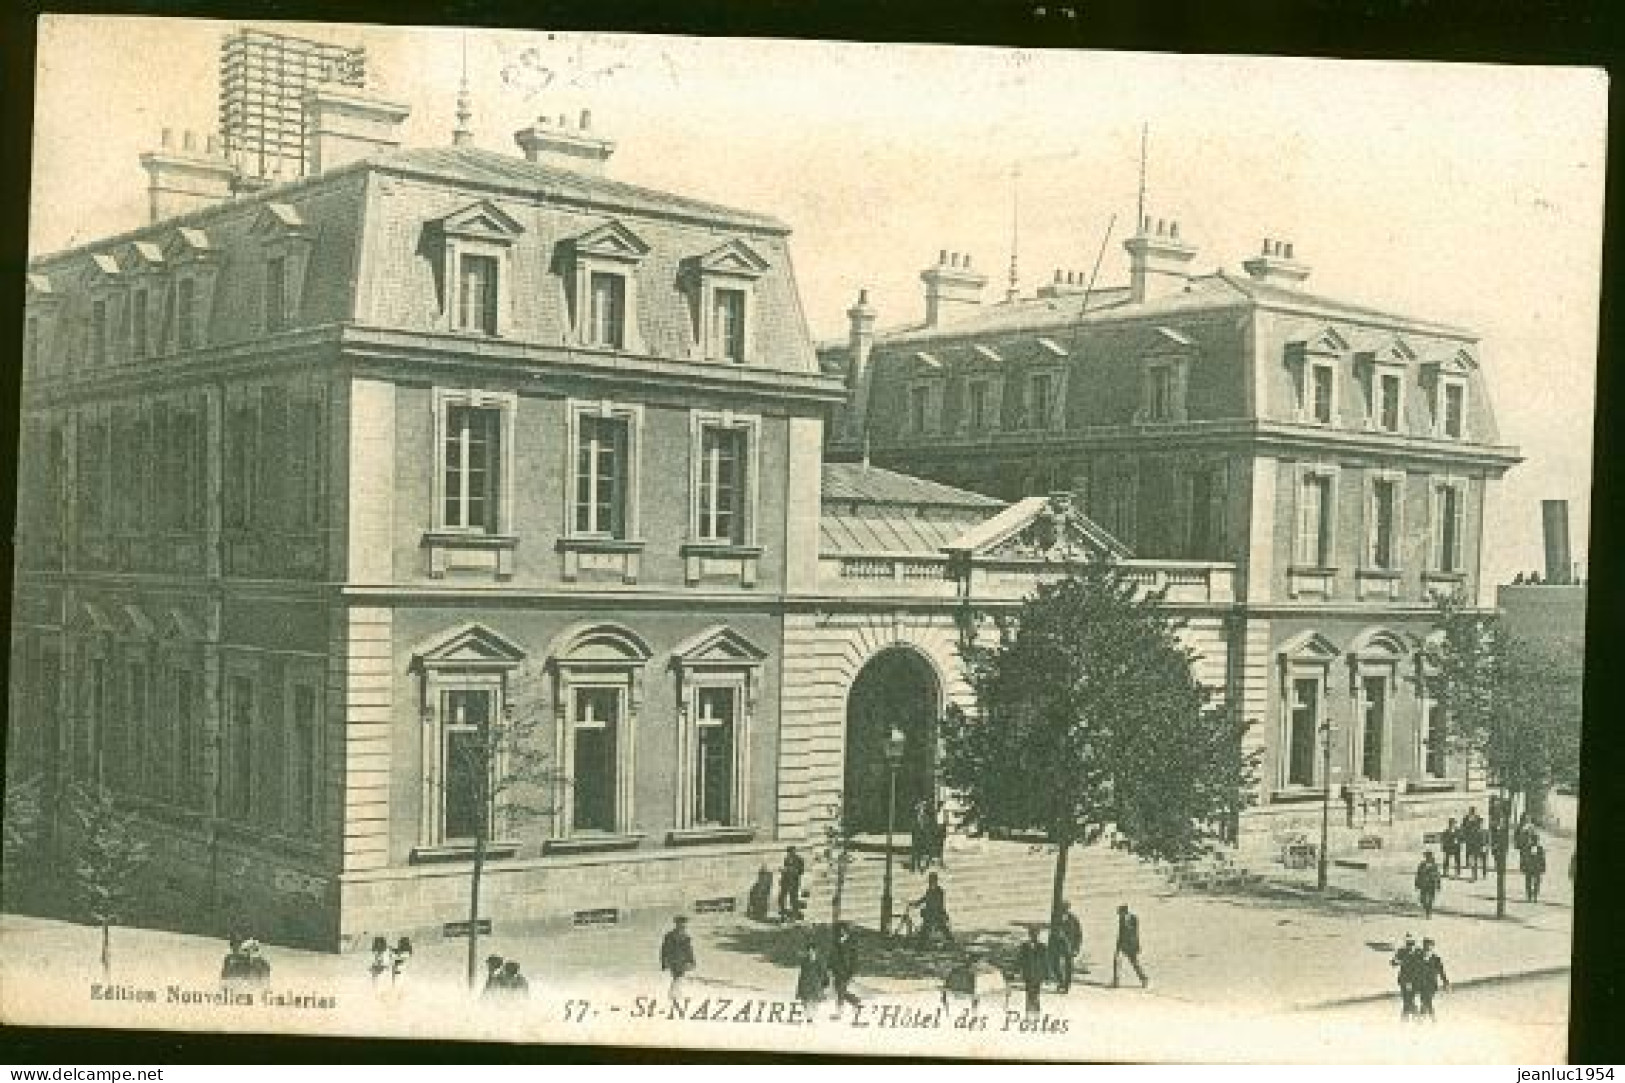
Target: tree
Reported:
[(24, 822), (107, 860), (505, 759), (1089, 716), (1513, 705), (836, 853)]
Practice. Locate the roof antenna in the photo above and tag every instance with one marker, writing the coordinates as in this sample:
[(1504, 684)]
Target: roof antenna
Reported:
[(1139, 213), (463, 134), (1014, 291)]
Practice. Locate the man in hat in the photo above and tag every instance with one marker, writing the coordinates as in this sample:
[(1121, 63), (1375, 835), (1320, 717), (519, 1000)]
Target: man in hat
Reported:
[(1430, 978), (1032, 967), (677, 954), (1534, 867), (1427, 883), (790, 874), (1128, 945), (843, 966), (1065, 943), (493, 977), (1404, 962)]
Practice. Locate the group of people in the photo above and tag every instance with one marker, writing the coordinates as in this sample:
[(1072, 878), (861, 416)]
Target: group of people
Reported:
[(1420, 973), (503, 980), (1057, 961), (388, 961), (791, 902), (821, 972), (1472, 839)]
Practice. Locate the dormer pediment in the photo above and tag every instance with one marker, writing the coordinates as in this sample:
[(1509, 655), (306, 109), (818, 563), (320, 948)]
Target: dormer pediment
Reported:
[(187, 243), (40, 290), (1051, 347), (1396, 353), (103, 270), (1460, 363), (926, 363), (611, 241), (278, 220), (987, 353), (734, 258), (717, 646), (1329, 342), (1312, 648), (1167, 338), (483, 221), (470, 646), (1039, 528), (143, 257)]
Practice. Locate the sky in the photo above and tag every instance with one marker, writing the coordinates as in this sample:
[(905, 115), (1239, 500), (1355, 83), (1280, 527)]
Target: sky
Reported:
[(1466, 194)]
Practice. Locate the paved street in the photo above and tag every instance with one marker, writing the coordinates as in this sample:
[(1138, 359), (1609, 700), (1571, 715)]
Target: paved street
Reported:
[(1277, 966)]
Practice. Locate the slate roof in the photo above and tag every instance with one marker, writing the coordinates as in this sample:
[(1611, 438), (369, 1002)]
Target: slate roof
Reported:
[(870, 510), (477, 166)]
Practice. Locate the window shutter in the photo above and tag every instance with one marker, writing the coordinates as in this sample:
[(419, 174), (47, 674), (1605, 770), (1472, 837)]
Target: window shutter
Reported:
[(1436, 528), (1308, 519), (1456, 548), (1373, 518)]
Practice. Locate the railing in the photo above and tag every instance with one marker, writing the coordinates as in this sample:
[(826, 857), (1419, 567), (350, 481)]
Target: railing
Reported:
[(925, 575)]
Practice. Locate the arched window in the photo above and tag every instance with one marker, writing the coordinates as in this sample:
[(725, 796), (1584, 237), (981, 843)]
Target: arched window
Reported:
[(598, 672)]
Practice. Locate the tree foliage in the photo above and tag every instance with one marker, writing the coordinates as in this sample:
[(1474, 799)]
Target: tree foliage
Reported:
[(1090, 715), (108, 860)]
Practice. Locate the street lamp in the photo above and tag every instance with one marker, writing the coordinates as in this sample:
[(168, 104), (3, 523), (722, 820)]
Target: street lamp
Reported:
[(896, 742), (1325, 799)]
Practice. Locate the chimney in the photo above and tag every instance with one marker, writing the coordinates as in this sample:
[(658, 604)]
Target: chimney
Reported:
[(951, 288), (1158, 261), (566, 146), (1066, 284), (1275, 265), (343, 125), (860, 343), (184, 178), (1554, 520)]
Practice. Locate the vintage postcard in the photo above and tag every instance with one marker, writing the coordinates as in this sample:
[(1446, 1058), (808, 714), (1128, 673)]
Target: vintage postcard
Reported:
[(782, 545)]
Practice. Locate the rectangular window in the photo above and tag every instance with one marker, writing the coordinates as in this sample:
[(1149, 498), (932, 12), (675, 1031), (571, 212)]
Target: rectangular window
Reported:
[(1384, 509), (472, 461), (30, 343), (596, 723), (608, 310), (1455, 410), (87, 747), (190, 755), (302, 759), (1203, 530), (466, 717), (1448, 530), (1305, 733), (728, 324), (139, 330), (1433, 740), (601, 475), (98, 332), (239, 747), (919, 408), (722, 484), (276, 290), (143, 762), (1161, 406), (1387, 404), (976, 404), (1320, 377), (1040, 400), (716, 733), (1314, 521), (477, 294), (1374, 727), (186, 313)]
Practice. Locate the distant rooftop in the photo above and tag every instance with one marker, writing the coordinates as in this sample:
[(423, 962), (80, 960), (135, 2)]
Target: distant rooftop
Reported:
[(867, 509)]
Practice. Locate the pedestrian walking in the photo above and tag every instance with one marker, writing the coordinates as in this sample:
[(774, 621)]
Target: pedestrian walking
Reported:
[(1032, 967), (1404, 962), (790, 885), (234, 967), (1525, 839), (1534, 867), (256, 968), (1475, 842), (1128, 945), (939, 839), (399, 956), (677, 955), (1450, 847), (1066, 942), (933, 912), (761, 895), (1427, 883), (921, 828), (514, 985), (843, 967), (1430, 978), (811, 980)]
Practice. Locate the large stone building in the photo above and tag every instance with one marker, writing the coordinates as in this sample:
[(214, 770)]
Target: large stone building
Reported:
[(1337, 457)]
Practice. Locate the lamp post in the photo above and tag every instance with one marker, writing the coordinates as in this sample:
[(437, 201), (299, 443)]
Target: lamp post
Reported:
[(1325, 800), (896, 742)]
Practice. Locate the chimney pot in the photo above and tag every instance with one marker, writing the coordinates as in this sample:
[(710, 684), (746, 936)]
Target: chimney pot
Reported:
[(586, 119), (1145, 227), (1289, 250), (863, 295), (1173, 230), (189, 140), (169, 138), (942, 258), (967, 261), (1057, 278)]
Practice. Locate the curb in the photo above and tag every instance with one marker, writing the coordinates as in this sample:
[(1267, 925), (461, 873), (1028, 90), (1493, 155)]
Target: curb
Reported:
[(1505, 978)]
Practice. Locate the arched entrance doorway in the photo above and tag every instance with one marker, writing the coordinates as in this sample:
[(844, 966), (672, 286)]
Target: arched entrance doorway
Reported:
[(897, 687)]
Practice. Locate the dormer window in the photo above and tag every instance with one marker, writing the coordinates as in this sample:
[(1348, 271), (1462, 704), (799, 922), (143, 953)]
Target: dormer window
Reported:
[(195, 265), (98, 331), (285, 239), (1453, 411), (43, 302), (1314, 363), (1041, 400), (604, 288), (276, 293), (186, 314), (1321, 383), (722, 284), (1385, 381), (608, 322), (1165, 378), (476, 271)]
